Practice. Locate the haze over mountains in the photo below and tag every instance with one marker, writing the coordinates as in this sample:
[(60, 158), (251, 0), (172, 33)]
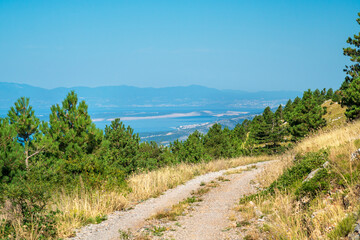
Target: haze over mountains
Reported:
[(127, 96)]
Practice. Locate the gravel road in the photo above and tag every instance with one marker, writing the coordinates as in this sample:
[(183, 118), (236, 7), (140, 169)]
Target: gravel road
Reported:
[(207, 221)]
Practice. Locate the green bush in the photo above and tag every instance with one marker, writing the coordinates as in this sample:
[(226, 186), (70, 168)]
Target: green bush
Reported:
[(343, 228), (319, 183), (293, 176)]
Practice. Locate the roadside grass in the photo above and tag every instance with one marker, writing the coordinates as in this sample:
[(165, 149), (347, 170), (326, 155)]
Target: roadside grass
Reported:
[(320, 211), (83, 206)]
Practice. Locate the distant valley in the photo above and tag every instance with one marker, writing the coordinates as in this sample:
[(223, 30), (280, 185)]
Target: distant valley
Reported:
[(157, 114)]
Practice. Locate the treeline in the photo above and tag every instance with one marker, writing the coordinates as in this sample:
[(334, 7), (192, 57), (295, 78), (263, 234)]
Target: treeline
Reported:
[(38, 158), (269, 133)]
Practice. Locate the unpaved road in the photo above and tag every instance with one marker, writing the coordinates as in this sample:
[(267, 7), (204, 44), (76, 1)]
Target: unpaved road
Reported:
[(207, 221)]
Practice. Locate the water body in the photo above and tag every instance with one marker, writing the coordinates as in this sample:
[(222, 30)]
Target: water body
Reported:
[(162, 124)]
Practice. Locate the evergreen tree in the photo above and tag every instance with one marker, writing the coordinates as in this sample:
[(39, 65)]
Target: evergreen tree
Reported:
[(75, 137), (26, 124), (323, 93), (11, 156), (307, 116), (288, 109), (318, 97), (193, 148), (123, 145), (351, 85), (279, 113), (351, 98), (352, 71), (329, 94), (269, 129), (216, 142)]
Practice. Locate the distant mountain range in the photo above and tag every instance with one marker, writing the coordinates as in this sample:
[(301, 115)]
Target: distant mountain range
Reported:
[(127, 96)]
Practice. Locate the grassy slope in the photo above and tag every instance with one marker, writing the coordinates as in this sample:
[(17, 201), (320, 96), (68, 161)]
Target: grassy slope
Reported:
[(328, 215)]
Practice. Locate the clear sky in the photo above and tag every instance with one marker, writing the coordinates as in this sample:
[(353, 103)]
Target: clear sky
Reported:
[(245, 45)]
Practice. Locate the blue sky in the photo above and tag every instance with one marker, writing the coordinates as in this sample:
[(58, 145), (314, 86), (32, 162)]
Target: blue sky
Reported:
[(245, 45)]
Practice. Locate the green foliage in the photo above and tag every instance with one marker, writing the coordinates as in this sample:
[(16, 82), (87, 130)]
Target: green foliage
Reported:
[(10, 153), (26, 124), (292, 178), (343, 228), (269, 129), (319, 183), (306, 116), (302, 167), (24, 120), (216, 142), (329, 94), (192, 150), (351, 99), (354, 54), (76, 140), (350, 87), (122, 145)]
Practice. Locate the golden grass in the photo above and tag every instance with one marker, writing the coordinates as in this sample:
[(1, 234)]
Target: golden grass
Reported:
[(83, 207), (330, 138), (153, 183), (272, 171), (285, 216), (335, 115)]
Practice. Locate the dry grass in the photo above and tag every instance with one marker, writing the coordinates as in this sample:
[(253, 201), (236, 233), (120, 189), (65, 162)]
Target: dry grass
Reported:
[(153, 183), (331, 138), (272, 171), (286, 218), (335, 116), (85, 207)]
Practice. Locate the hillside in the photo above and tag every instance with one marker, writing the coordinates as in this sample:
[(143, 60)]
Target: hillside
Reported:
[(327, 205), (316, 194), (126, 96), (83, 173)]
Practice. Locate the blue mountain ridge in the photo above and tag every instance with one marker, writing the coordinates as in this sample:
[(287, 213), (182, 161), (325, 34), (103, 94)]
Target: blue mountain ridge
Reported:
[(128, 96)]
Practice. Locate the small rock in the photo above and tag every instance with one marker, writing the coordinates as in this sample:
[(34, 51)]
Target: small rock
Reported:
[(258, 213), (357, 228), (326, 164), (355, 155), (354, 236), (311, 175)]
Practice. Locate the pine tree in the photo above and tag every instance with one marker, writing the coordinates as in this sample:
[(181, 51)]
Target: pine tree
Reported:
[(123, 145), (269, 127), (279, 113), (329, 94), (351, 85), (307, 116), (216, 142), (75, 136), (352, 71), (26, 124), (193, 148), (288, 110), (351, 98), (11, 156)]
